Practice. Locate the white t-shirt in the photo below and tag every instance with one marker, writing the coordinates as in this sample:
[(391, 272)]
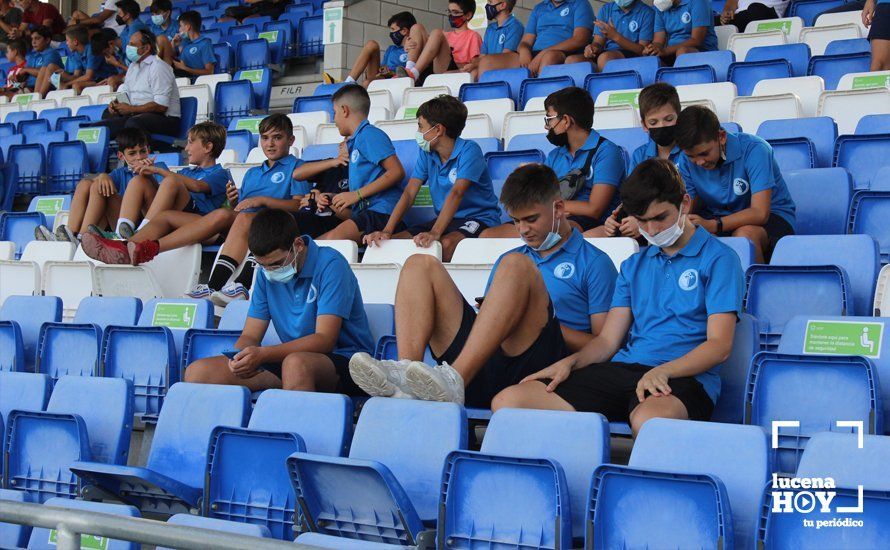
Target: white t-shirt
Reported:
[(111, 22)]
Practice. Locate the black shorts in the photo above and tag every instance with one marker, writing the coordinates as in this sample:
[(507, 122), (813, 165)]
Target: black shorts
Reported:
[(368, 222), (341, 364), (452, 66), (466, 226), (314, 225), (502, 371), (610, 389), (192, 208), (179, 73), (626, 53), (586, 222), (880, 23), (776, 227)]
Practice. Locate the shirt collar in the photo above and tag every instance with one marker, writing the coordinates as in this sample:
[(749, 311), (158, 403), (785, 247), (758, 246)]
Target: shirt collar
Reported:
[(308, 269), (459, 145), (652, 149), (692, 248), (733, 148), (147, 61), (571, 246), (358, 130), (507, 21), (266, 168), (591, 141)]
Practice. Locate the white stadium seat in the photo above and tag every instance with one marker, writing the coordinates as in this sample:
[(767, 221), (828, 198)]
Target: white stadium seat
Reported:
[(211, 80), (478, 126), (327, 133), (742, 42), (496, 109), (177, 270), (395, 86), (806, 88), (396, 251), (41, 105), (859, 81), (7, 250), (724, 32), (75, 103), (238, 171), (452, 81), (382, 98), (751, 111), (818, 38), (183, 81), (470, 279), (378, 114), (791, 26), (228, 156), (700, 102), (398, 129), (520, 123), (535, 104), (847, 107), (202, 93), (125, 280), (616, 116), (70, 281), (45, 251), (60, 219), (483, 251), (95, 91), (18, 278), (415, 97), (349, 249), (7, 108), (256, 156), (377, 282), (310, 122), (721, 93), (882, 293), (842, 18), (59, 95), (618, 97), (617, 249)]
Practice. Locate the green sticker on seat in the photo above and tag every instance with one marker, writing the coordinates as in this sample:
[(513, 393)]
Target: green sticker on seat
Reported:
[(423, 197), (49, 205), (783, 25), (87, 542), (624, 98), (88, 135), (24, 99), (843, 338), (269, 36), (252, 125), (410, 112), (254, 76), (871, 81), (180, 316)]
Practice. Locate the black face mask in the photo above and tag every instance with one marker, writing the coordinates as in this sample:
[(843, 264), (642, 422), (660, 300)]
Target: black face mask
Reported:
[(559, 140), (663, 135), (456, 22), (397, 38), (119, 20), (491, 11)]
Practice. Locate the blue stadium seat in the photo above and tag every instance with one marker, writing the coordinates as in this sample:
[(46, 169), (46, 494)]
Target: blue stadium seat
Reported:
[(873, 124), (282, 423), (822, 131), (742, 247), (485, 90), (170, 159), (39, 204), (190, 520), (29, 313), (278, 35), (691, 74), (849, 46), (71, 124), (309, 35), (798, 55), (733, 371), (92, 112), (66, 164), (97, 141), (23, 390), (240, 141), (488, 144), (863, 156), (232, 100), (513, 78), (109, 310), (173, 477), (239, 33), (202, 343), (328, 89), (541, 87), (578, 72), (832, 67), (215, 35), (16, 536), (31, 129), (8, 141), (645, 66), (188, 108), (45, 138), (6, 129), (797, 153), (524, 142), (52, 116), (16, 118), (746, 74), (406, 152), (68, 349), (612, 80), (809, 10), (224, 57), (836, 388), (42, 445), (628, 138), (868, 216), (320, 152), (42, 539), (317, 540), (312, 103), (718, 60), (30, 167), (387, 490), (502, 164), (18, 227), (815, 215), (12, 352), (261, 86), (252, 54), (381, 319)]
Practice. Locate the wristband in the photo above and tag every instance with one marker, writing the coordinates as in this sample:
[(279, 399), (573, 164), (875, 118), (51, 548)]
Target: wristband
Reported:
[(719, 225), (359, 192)]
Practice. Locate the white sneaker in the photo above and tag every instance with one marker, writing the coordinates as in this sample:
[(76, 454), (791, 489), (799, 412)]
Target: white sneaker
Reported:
[(230, 293), (439, 383), (380, 378)]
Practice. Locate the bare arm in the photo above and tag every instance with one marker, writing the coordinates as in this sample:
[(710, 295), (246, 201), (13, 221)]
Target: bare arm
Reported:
[(576, 339), (327, 330), (695, 40)]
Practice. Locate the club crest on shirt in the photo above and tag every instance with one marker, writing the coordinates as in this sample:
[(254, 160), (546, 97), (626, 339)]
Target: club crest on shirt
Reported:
[(564, 270), (633, 26), (193, 50), (403, 58), (312, 294), (564, 12), (354, 156), (740, 186), (688, 280), (686, 17), (502, 38), (278, 177), (452, 176)]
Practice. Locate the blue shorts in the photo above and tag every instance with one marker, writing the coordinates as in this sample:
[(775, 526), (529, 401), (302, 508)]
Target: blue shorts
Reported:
[(880, 24), (369, 221), (466, 226)]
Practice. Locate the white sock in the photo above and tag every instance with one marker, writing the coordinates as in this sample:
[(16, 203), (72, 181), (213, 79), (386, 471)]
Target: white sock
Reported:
[(409, 65), (117, 228), (143, 224), (349, 79)]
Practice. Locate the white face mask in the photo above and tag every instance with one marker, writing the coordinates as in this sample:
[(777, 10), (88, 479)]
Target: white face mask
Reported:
[(663, 5), (667, 237)]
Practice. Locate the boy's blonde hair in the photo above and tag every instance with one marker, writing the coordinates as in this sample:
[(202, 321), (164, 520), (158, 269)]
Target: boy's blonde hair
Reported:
[(210, 132)]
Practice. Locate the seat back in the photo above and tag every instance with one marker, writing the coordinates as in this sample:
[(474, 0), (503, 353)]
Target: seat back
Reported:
[(863, 156), (578, 71), (109, 310), (232, 100), (645, 66), (381, 319), (68, 350), (30, 164), (32, 129), (746, 74), (596, 84), (43, 539), (721, 93), (252, 54), (261, 86), (822, 131), (309, 104), (310, 36), (398, 251), (814, 215), (695, 74), (542, 87), (483, 91), (501, 164), (30, 312), (718, 60), (833, 67), (513, 78), (807, 88), (322, 420), (177, 315), (751, 112), (793, 153), (873, 124), (23, 390), (67, 162), (868, 215), (849, 106), (741, 43), (818, 38), (798, 55)]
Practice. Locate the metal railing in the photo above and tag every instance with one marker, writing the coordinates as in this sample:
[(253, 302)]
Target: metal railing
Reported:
[(70, 524)]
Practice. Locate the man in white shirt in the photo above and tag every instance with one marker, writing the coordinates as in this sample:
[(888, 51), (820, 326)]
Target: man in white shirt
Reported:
[(151, 90)]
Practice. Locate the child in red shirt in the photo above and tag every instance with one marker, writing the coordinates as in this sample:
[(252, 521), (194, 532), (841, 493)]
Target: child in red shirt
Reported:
[(440, 52), (15, 79)]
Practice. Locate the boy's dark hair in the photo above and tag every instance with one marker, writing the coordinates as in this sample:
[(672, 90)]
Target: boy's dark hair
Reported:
[(572, 101), (98, 43), (79, 33), (130, 7), (447, 111), (160, 5), (655, 96), (277, 121), (696, 125), (653, 180), (131, 137), (210, 132), (272, 229), (43, 31), (404, 19), (354, 95), (529, 185), (510, 4), (19, 46), (192, 19), (466, 6)]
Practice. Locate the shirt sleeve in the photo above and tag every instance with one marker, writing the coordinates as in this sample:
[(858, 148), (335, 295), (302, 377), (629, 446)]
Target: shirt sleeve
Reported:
[(621, 296), (584, 15), (725, 285), (602, 16), (514, 37), (420, 167), (702, 15), (600, 285), (54, 57), (531, 27), (608, 166), (474, 48), (494, 269), (217, 180), (162, 84), (259, 304), (647, 25), (207, 55), (471, 165), (336, 289), (376, 147), (659, 22), (759, 167), (687, 177)]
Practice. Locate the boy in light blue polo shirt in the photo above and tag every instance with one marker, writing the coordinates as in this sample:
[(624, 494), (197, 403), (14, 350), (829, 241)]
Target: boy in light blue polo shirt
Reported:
[(371, 63), (543, 301), (313, 300), (735, 181), (128, 12), (374, 170), (41, 55), (504, 31), (671, 322), (162, 24), (682, 26), (457, 176), (623, 29), (195, 53)]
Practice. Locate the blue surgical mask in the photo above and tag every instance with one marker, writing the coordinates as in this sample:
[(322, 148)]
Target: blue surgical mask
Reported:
[(624, 4), (422, 142), (285, 273), (552, 238), (157, 19), (132, 53)]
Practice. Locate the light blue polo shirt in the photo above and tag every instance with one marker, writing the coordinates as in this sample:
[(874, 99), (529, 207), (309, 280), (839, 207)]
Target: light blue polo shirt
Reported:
[(122, 175), (197, 54), (216, 177), (551, 24), (579, 277), (636, 24), (171, 30), (750, 167), (394, 57), (504, 37), (274, 181), (78, 61), (679, 21), (650, 151), (368, 148), (671, 299), (37, 60), (324, 286), (466, 162), (607, 166)]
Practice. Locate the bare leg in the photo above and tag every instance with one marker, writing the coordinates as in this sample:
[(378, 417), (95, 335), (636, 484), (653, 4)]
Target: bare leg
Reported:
[(449, 243), (139, 195), (368, 62), (345, 231), (880, 55), (503, 231), (79, 204), (605, 57), (79, 86), (436, 52), (43, 78), (497, 61), (576, 58), (552, 57), (197, 231), (95, 210), (667, 406), (529, 395), (172, 194), (165, 50), (215, 370), (757, 235), (597, 232), (415, 42), (164, 224), (236, 242), (686, 49), (308, 371)]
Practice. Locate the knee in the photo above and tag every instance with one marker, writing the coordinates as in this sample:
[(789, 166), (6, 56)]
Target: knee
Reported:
[(83, 185), (372, 46), (516, 263), (439, 33), (424, 262), (297, 372), (242, 222), (509, 398), (753, 233), (417, 29), (199, 372), (686, 49)]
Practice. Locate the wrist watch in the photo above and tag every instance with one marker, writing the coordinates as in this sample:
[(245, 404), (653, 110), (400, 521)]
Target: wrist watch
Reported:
[(719, 225)]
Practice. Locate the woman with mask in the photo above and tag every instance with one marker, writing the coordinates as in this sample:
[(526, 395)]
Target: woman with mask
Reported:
[(369, 62), (622, 30), (682, 26)]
